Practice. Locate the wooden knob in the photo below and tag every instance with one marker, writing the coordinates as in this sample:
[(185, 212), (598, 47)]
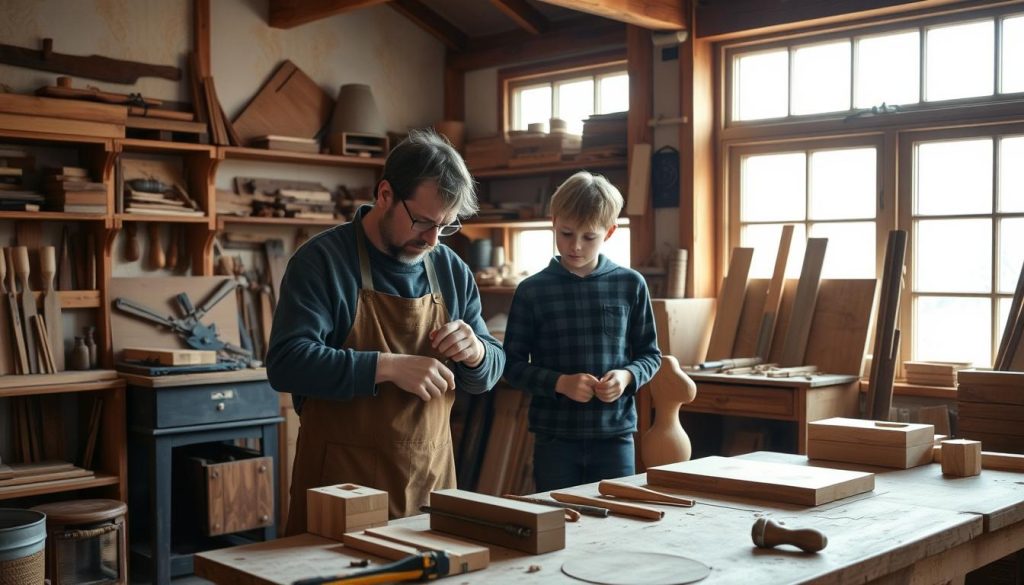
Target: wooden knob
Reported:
[(768, 533)]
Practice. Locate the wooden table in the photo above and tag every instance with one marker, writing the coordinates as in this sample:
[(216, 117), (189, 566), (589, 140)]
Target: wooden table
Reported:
[(915, 527), (799, 400)]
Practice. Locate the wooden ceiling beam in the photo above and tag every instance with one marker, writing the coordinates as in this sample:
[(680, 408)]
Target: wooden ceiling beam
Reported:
[(292, 13), (432, 22), (650, 14), (527, 17), (581, 35)]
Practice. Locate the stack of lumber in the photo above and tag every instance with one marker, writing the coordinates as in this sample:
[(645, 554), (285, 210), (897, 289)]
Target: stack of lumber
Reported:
[(283, 198), (36, 473), (71, 189), (991, 409), (536, 148), (172, 201), (604, 136), (488, 153), (886, 444), (14, 195), (933, 373), (230, 203)]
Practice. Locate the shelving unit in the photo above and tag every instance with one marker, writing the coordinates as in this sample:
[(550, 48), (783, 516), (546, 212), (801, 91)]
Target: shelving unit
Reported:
[(283, 156)]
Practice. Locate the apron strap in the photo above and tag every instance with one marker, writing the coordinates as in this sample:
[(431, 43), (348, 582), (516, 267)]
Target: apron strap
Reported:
[(435, 290), (364, 258)]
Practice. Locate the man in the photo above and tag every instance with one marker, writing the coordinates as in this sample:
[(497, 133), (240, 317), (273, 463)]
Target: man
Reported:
[(376, 326)]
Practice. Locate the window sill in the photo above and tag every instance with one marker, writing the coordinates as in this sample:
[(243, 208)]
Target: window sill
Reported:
[(902, 388)]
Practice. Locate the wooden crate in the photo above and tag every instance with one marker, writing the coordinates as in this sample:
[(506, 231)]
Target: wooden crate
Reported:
[(234, 495), (990, 407)]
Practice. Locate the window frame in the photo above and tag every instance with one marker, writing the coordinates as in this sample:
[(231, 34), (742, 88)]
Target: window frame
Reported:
[(895, 132), (593, 65)]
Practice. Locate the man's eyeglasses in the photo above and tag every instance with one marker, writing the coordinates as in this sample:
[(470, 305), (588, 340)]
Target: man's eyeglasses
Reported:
[(422, 225)]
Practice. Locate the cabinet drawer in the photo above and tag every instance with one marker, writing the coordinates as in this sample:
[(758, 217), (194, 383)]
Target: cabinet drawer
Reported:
[(234, 495), (744, 401), (204, 404)]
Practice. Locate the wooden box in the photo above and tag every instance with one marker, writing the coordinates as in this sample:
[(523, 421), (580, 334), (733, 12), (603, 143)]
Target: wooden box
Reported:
[(779, 482), (358, 144), (990, 408), (961, 457), (333, 510), (546, 524), (886, 444), (235, 495)]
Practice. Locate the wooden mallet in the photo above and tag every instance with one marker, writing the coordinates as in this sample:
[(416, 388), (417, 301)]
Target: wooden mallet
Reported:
[(768, 533)]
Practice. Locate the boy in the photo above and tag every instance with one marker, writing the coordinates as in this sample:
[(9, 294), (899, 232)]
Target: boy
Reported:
[(581, 339)]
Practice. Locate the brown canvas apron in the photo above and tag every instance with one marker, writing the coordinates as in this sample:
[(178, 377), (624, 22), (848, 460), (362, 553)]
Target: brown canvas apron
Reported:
[(394, 441)]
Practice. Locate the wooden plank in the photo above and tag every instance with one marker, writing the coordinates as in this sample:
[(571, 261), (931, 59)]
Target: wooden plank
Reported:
[(640, 70), (799, 328), (247, 375), (1011, 322), (884, 354), (526, 16), (91, 66), (651, 14), (463, 556), (377, 546), (779, 482), (730, 305), (684, 327), (870, 432), (30, 105), (61, 378), (45, 124), (289, 103), (169, 357), (638, 196), (770, 313)]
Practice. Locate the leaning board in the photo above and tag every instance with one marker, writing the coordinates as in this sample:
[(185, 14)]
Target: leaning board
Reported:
[(779, 482)]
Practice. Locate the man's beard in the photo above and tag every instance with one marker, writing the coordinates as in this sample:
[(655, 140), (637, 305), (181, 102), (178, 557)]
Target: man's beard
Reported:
[(398, 250)]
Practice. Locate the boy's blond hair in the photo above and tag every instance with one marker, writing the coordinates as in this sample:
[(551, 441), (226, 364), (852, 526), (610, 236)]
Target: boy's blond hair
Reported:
[(587, 200)]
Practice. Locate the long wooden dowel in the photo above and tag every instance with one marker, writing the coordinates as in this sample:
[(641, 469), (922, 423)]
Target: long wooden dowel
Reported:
[(634, 492), (615, 507)]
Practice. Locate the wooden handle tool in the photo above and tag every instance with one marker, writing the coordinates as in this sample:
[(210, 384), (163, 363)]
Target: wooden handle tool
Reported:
[(20, 355), (577, 508), (628, 491), (172, 249), (52, 307), (614, 507), (768, 533), (22, 271), (156, 250), (132, 250)]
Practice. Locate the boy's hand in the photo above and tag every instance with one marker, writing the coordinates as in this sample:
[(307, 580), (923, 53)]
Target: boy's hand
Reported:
[(578, 387), (423, 376), (612, 385), (457, 342)]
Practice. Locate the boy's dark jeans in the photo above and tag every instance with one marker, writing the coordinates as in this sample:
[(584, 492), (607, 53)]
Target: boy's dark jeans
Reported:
[(560, 463)]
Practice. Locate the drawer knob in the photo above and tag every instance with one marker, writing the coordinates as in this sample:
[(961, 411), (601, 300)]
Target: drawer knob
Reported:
[(262, 468), (220, 406), (215, 474), (264, 518)]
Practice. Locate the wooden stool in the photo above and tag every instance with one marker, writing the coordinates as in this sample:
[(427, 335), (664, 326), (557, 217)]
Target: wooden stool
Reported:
[(86, 542)]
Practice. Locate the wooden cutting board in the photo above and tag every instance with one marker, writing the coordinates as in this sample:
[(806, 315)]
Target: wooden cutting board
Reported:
[(779, 482), (289, 103)]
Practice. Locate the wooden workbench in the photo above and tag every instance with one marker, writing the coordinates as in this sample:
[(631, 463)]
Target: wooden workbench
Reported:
[(916, 524)]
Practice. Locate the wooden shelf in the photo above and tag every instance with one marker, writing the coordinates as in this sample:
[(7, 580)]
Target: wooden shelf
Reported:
[(566, 166), (57, 486), (223, 220), (75, 299), (8, 135), (123, 217), (70, 381), (904, 388), (52, 216), (163, 146), (284, 156)]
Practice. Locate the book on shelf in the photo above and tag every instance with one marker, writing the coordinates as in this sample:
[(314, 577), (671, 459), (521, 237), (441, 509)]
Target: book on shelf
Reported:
[(97, 209)]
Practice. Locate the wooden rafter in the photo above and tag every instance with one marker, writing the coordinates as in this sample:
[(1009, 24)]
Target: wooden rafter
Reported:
[(580, 35), (432, 22), (292, 13), (650, 14), (527, 17)]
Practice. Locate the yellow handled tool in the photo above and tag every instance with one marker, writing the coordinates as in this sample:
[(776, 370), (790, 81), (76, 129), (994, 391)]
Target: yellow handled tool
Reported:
[(424, 566)]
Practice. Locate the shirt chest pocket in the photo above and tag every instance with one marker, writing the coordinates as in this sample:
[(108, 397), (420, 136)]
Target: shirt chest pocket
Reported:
[(614, 317)]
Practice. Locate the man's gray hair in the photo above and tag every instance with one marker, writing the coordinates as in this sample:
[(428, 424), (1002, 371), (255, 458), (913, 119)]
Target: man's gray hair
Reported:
[(427, 156)]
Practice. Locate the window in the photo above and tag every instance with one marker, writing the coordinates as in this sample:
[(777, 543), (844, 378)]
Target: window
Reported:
[(534, 248), (809, 143), (572, 96)]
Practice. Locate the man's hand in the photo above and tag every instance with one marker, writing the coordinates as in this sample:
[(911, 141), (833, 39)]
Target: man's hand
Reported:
[(578, 387), (423, 376), (612, 385), (457, 341)]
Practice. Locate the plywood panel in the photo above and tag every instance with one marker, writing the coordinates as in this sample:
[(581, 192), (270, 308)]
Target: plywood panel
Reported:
[(779, 482)]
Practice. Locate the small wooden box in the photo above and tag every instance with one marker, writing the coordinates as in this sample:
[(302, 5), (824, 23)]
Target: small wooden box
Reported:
[(358, 144), (886, 444), (546, 524), (961, 457), (236, 495), (333, 510)]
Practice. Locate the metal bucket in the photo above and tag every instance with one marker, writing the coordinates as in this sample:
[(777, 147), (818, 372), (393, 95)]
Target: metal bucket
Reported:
[(22, 542)]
